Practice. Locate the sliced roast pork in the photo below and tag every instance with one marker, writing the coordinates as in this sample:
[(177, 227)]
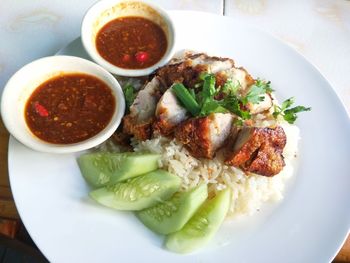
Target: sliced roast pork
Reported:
[(188, 69), (238, 76), (169, 113), (258, 150), (138, 122), (203, 136)]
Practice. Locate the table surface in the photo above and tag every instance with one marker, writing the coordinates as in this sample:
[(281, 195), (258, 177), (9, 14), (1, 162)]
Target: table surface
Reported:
[(318, 29)]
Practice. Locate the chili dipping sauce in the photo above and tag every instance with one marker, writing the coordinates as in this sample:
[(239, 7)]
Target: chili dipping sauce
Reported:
[(69, 108), (131, 42)]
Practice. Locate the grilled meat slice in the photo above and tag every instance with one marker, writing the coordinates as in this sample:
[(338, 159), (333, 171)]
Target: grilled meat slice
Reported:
[(188, 69), (138, 122), (204, 135), (169, 113), (248, 141), (268, 162), (140, 130), (258, 150), (237, 75)]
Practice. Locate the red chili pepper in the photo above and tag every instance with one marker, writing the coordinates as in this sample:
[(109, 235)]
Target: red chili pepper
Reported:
[(41, 110), (126, 58), (141, 56)]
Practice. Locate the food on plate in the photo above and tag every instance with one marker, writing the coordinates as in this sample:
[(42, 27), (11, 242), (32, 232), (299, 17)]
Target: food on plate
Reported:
[(203, 136), (258, 150), (169, 113), (139, 121), (99, 169), (131, 42), (69, 108), (200, 229), (139, 192), (215, 127), (171, 215), (202, 108)]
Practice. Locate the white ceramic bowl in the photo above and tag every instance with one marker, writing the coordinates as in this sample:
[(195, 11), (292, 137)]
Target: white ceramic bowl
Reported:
[(22, 84), (106, 10)]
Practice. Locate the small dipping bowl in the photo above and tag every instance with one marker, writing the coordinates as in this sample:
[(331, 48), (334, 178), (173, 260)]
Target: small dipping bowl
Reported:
[(25, 81), (107, 10)]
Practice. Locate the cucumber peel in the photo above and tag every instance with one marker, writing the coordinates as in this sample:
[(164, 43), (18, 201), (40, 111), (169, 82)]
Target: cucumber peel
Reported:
[(139, 192), (202, 226), (100, 169), (171, 215)]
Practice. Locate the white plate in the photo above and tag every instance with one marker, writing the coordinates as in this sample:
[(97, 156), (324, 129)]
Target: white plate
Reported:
[(309, 225)]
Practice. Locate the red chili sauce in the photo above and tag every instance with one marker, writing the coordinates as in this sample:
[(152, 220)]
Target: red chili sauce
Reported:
[(69, 108), (131, 42)]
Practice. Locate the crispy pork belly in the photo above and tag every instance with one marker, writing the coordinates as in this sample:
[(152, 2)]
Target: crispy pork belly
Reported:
[(258, 150), (268, 162), (203, 136), (169, 113), (138, 122), (188, 69)]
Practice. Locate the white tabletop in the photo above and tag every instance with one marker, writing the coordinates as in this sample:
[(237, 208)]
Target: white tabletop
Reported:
[(318, 29)]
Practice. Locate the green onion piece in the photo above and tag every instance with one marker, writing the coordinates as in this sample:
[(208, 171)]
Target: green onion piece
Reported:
[(209, 86), (185, 97)]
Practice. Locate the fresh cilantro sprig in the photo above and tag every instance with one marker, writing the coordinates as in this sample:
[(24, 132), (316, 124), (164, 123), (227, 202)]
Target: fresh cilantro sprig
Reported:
[(257, 91), (230, 88), (233, 104), (289, 113), (129, 94), (204, 103)]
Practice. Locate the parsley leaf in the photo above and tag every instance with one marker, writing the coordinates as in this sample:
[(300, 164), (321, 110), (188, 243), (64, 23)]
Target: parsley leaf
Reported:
[(289, 114)]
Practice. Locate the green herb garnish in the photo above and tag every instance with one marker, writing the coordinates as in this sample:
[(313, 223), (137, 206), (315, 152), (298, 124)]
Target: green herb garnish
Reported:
[(257, 91), (129, 94), (205, 101), (289, 114), (186, 98), (233, 104), (230, 88)]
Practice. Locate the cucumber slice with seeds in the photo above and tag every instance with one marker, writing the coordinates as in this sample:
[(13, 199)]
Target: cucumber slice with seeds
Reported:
[(171, 215), (139, 192), (100, 169), (202, 226)]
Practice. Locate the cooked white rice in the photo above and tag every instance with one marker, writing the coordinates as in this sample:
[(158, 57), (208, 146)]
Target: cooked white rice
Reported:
[(249, 192)]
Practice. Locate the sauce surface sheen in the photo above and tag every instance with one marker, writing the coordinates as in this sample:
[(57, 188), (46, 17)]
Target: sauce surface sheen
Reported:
[(131, 42), (69, 108)]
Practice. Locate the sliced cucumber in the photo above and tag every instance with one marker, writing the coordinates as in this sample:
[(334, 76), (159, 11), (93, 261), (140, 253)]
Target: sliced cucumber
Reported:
[(171, 215), (100, 169), (139, 192), (202, 226)]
